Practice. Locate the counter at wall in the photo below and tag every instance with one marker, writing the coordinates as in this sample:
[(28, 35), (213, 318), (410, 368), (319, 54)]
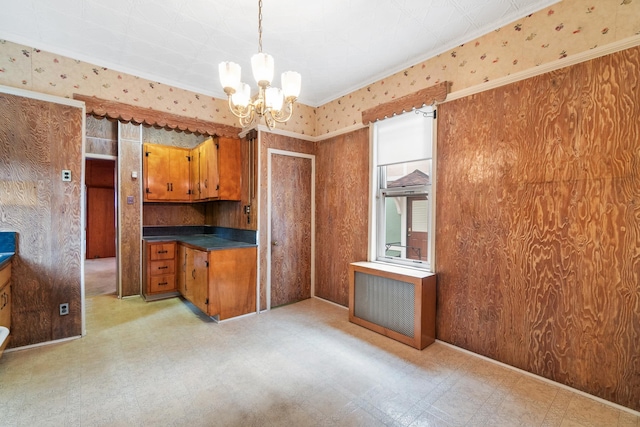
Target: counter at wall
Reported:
[(205, 238), (7, 247)]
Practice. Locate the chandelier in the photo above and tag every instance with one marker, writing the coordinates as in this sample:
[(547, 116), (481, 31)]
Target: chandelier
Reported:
[(272, 103)]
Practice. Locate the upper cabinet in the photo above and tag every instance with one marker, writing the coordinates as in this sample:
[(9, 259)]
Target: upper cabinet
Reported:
[(166, 173), (210, 171), (230, 167), (204, 171)]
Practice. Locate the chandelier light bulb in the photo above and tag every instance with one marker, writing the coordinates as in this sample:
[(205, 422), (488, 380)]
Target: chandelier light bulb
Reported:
[(291, 83), (262, 66), (273, 98), (242, 95), (229, 75)]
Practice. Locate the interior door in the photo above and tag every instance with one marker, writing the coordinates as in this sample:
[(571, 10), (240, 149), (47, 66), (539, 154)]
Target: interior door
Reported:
[(417, 214), (101, 209), (290, 238)]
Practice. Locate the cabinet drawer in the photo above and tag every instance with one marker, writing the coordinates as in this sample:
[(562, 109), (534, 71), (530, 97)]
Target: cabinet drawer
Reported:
[(159, 251), (165, 283), (162, 267)]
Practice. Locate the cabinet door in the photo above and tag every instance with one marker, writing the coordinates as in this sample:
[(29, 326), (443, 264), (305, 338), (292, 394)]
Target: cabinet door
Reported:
[(194, 174), (229, 169), (232, 281), (156, 164), (179, 175), (209, 179), (196, 278)]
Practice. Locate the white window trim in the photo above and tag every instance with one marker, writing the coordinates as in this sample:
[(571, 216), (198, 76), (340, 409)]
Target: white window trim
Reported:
[(373, 194)]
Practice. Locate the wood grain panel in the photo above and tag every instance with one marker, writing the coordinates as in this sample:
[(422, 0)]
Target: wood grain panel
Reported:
[(173, 214), (101, 136), (170, 137), (37, 140), (538, 225), (291, 237), (342, 203), (269, 140), (130, 231)]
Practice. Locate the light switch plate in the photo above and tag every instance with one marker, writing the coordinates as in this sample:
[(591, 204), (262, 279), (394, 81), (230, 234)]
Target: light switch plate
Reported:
[(66, 175), (129, 200)]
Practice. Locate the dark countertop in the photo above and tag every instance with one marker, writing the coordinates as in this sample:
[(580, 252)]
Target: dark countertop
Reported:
[(205, 242), (5, 258)]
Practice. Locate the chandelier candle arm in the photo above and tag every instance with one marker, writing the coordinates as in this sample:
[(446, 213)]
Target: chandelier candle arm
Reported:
[(273, 104)]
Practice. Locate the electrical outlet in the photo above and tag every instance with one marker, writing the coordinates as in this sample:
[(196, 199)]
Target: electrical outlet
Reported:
[(64, 309), (66, 175)]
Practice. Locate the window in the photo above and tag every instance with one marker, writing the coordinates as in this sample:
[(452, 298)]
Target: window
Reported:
[(402, 220)]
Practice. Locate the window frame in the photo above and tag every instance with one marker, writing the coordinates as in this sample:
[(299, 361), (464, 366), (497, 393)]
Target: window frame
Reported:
[(377, 205)]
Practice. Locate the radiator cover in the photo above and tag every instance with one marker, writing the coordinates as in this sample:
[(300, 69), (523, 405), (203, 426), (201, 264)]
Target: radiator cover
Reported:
[(393, 301), (385, 302)]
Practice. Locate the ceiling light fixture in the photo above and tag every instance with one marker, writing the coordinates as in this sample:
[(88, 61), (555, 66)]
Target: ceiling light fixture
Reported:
[(272, 103)]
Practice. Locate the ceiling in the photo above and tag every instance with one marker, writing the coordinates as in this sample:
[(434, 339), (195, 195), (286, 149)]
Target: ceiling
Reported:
[(337, 45)]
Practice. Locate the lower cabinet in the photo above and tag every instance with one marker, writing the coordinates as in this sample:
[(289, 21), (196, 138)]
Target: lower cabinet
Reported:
[(159, 271), (221, 283)]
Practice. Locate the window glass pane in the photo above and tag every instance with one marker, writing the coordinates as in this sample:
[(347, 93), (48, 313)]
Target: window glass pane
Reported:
[(408, 174)]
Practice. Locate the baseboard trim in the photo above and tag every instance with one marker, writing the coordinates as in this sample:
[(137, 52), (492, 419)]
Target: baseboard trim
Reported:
[(546, 380), (42, 344), (330, 302)]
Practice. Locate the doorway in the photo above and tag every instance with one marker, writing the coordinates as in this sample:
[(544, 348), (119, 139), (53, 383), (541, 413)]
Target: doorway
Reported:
[(100, 262), (291, 227)]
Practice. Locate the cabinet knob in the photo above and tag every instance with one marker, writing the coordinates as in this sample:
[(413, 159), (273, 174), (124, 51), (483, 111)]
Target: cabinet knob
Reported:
[(275, 243)]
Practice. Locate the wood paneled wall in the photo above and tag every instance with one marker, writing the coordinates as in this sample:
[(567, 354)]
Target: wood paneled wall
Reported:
[(342, 211), (173, 214), (102, 136), (38, 140), (231, 213), (280, 142), (538, 225), (129, 215)]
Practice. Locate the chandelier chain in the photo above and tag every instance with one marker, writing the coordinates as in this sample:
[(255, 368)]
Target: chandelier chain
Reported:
[(260, 26)]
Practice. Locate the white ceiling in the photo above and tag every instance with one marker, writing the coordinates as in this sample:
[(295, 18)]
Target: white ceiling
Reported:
[(337, 45)]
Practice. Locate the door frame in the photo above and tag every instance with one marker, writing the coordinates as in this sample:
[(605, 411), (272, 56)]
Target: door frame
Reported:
[(116, 185), (270, 153)]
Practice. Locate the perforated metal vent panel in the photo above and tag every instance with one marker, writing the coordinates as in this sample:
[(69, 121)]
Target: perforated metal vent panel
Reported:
[(385, 302)]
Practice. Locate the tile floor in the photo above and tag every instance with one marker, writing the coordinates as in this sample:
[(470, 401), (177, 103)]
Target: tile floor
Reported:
[(162, 364)]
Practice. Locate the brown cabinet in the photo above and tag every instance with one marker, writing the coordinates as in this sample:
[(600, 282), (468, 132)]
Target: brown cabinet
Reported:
[(5, 301), (221, 283), (232, 281), (210, 171), (204, 171), (195, 278), (230, 169), (166, 173), (159, 274)]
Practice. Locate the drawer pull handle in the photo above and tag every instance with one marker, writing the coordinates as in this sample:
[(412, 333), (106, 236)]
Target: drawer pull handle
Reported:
[(162, 252), (163, 267), (163, 284)]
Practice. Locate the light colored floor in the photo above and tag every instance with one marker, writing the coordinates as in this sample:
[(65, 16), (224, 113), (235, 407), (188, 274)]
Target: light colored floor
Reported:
[(162, 364), (99, 276)]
